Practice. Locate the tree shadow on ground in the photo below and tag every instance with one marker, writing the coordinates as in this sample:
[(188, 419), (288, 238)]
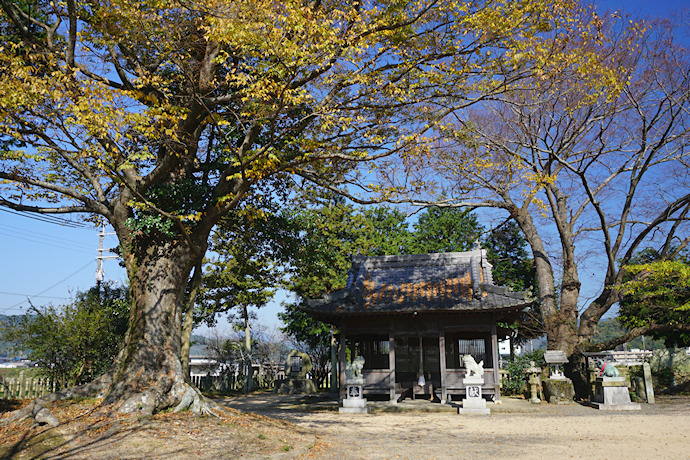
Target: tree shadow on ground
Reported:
[(77, 434), (89, 430), (10, 405)]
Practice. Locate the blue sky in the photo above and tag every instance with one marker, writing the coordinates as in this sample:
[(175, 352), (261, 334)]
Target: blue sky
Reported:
[(644, 7), (47, 262)]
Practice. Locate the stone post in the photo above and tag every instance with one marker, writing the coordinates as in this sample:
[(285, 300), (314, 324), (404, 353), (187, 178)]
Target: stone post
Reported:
[(334, 363), (648, 386)]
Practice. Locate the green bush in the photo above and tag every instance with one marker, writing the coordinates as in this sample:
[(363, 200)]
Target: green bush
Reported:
[(74, 343), (516, 381)]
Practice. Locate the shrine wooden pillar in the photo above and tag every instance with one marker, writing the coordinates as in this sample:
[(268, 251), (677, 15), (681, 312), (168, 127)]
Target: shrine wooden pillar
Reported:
[(442, 362), (343, 361), (391, 365), (494, 358)]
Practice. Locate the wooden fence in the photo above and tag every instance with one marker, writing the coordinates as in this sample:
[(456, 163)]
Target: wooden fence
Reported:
[(216, 383), (229, 382), (25, 388), (34, 387), (322, 379)]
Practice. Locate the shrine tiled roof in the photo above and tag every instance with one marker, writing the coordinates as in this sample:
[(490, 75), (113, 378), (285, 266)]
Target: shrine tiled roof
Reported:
[(444, 282)]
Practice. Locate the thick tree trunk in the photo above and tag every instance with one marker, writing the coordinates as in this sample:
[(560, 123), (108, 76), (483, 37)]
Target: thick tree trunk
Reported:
[(563, 334), (559, 314), (148, 376), (545, 277)]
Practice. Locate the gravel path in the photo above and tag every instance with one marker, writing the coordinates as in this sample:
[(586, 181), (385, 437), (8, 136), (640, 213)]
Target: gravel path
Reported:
[(515, 429)]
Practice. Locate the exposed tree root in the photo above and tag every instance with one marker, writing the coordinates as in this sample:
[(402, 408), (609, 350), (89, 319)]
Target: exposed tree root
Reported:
[(42, 415), (181, 396), (170, 392), (197, 403)]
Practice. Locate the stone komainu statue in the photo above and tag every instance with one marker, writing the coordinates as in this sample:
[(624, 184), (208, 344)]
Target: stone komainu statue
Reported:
[(354, 369), (474, 369), (357, 366), (608, 370)]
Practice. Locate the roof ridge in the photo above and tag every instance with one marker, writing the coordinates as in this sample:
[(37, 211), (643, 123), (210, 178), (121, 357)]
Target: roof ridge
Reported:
[(441, 258)]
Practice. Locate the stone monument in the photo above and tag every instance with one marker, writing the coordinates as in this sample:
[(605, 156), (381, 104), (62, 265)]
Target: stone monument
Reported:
[(473, 403), (558, 389), (611, 391), (354, 402), (297, 366)]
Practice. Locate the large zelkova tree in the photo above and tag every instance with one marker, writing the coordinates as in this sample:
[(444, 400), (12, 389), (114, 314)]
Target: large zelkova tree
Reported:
[(591, 175), (162, 117)]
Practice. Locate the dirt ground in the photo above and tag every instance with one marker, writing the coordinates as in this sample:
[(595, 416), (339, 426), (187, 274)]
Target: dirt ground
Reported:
[(88, 431), (515, 429), (274, 426)]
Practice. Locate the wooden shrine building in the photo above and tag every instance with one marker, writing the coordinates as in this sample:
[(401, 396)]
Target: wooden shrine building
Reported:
[(413, 314)]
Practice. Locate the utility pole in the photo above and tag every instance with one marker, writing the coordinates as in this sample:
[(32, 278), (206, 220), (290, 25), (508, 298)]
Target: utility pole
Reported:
[(100, 273)]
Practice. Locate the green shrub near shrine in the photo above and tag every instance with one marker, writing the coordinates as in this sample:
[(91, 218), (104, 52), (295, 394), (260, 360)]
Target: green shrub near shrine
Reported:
[(516, 381)]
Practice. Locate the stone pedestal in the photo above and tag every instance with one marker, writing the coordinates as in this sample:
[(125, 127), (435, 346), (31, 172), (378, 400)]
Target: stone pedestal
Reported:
[(355, 402), (294, 386), (473, 403), (611, 393), (559, 390)]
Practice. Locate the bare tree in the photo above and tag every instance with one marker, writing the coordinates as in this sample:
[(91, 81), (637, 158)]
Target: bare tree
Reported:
[(590, 176), (269, 348)]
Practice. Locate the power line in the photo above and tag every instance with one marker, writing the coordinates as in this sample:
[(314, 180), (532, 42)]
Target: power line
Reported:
[(54, 243), (41, 235), (29, 295), (50, 287), (47, 218)]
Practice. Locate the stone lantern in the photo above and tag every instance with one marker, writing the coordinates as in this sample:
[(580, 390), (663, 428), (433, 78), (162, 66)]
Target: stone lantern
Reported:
[(533, 371)]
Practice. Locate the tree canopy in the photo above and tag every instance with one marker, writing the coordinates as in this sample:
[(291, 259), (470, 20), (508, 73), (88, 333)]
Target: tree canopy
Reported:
[(164, 116), (656, 298), (325, 239)]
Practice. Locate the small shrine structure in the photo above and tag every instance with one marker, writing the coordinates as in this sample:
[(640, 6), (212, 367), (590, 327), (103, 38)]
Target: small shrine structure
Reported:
[(414, 317)]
